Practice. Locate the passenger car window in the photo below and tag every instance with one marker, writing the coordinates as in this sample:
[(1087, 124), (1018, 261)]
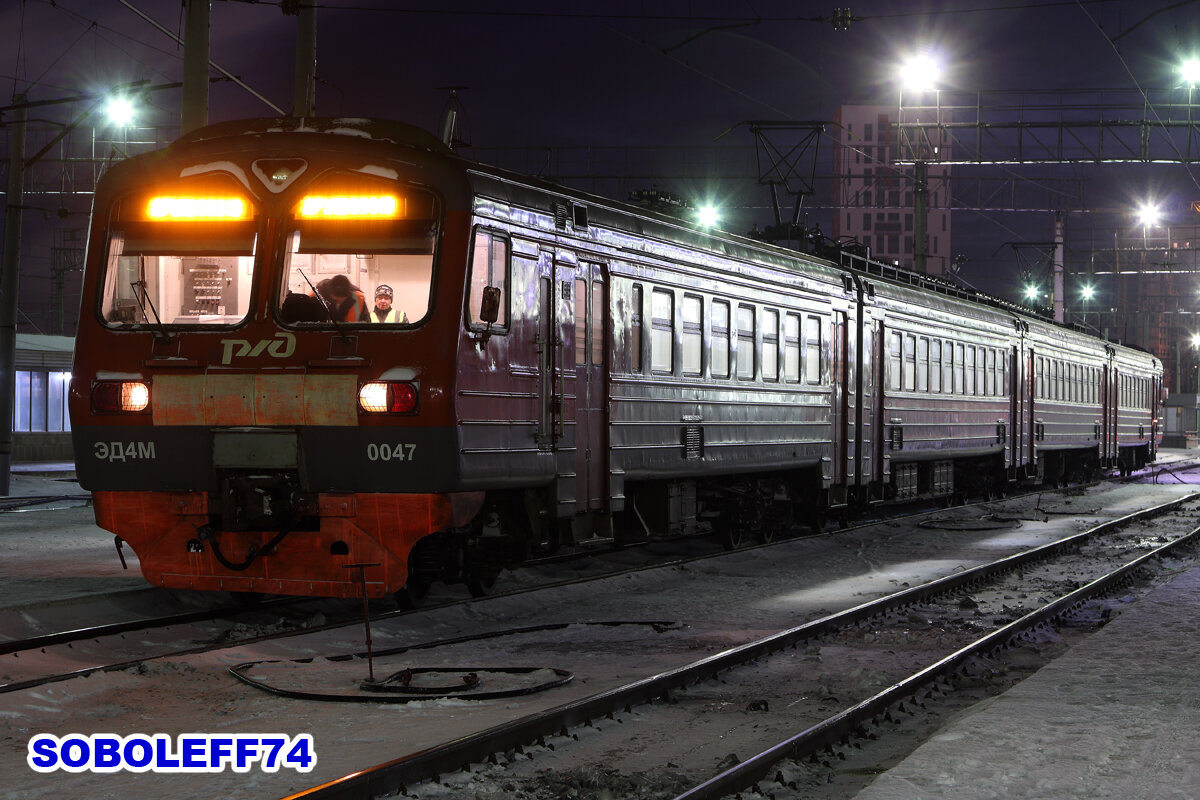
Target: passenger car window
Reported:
[(770, 345), (745, 342), (720, 339), (662, 333), (692, 318)]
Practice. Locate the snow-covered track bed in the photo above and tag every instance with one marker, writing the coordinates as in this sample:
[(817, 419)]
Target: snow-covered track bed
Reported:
[(959, 607)]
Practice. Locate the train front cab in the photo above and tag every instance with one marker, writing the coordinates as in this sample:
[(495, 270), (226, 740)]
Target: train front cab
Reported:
[(234, 435)]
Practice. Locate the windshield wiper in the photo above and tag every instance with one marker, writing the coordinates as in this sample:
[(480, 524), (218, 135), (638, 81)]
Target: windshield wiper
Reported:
[(325, 305), (145, 300)]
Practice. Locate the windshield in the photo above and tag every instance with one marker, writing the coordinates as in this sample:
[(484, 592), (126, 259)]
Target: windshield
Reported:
[(180, 256), (360, 255)]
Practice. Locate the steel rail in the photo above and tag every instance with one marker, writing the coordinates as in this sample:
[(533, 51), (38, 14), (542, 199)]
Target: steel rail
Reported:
[(66, 637), (112, 629), (839, 728), (398, 774), (115, 628)]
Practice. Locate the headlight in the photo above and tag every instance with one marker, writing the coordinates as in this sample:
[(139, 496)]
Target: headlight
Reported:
[(387, 397), (120, 397)]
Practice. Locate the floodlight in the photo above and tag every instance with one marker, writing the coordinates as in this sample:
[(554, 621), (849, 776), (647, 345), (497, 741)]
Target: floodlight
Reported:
[(707, 216), (1190, 71), (920, 73), (120, 111), (1148, 215)]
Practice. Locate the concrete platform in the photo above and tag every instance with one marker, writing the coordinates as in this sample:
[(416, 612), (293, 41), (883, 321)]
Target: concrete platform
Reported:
[(1117, 716)]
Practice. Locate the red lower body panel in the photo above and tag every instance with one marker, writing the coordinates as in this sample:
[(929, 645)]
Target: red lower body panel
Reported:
[(378, 529)]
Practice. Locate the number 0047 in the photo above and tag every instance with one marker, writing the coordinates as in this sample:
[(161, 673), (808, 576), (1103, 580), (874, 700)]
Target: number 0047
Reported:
[(390, 452)]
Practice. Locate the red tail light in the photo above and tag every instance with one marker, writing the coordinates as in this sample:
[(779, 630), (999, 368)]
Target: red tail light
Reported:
[(387, 397), (120, 397)]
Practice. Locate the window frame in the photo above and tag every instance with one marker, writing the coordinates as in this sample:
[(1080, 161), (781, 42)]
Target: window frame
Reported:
[(716, 335), (812, 349), (793, 345), (747, 356), (662, 325), (689, 330), (469, 311), (770, 345)]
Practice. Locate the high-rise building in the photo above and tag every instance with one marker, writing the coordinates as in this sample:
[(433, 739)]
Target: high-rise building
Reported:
[(873, 197)]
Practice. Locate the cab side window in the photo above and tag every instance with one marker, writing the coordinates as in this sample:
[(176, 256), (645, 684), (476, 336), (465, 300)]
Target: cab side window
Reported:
[(489, 274)]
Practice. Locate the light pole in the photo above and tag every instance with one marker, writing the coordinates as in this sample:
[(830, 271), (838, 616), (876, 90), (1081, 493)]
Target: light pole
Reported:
[(1087, 293), (1148, 216), (9, 286), (1196, 351), (10, 265), (1031, 293), (920, 74)]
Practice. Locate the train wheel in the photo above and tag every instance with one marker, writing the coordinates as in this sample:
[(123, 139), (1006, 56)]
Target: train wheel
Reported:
[(732, 536), (541, 533), (412, 594), (481, 580), (549, 543)]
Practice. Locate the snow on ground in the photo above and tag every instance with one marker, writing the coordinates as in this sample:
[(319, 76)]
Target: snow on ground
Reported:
[(767, 589)]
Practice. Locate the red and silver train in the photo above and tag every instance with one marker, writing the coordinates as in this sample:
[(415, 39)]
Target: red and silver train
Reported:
[(560, 368)]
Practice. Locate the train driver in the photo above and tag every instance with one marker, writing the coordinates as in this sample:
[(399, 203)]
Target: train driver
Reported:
[(345, 300), (384, 311)]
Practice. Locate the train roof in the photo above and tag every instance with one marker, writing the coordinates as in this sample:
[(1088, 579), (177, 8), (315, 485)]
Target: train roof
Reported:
[(638, 220), (386, 131)]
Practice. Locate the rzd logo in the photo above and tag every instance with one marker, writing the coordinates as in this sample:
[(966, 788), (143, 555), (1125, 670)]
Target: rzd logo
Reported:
[(282, 345)]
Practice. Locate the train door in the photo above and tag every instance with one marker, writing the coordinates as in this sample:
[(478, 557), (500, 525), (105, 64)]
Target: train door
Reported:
[(563, 392), (1016, 412), (549, 348), (1157, 422), (1111, 407), (1028, 418), (880, 466), (591, 428), (861, 406), (839, 413), (1108, 411)]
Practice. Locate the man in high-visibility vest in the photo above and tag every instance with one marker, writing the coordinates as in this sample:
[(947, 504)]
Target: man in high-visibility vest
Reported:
[(384, 311)]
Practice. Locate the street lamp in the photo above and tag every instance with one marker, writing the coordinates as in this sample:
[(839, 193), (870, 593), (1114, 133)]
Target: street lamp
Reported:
[(920, 73), (1032, 292), (1148, 215), (1086, 293), (120, 111), (1189, 70), (707, 216), (1195, 341)]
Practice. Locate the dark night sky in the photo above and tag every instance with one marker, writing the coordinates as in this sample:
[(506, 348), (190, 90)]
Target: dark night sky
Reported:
[(669, 73)]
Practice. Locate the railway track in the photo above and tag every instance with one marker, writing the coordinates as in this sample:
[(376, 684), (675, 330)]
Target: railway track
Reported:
[(776, 762), (885, 549), (38, 660), (126, 643)]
